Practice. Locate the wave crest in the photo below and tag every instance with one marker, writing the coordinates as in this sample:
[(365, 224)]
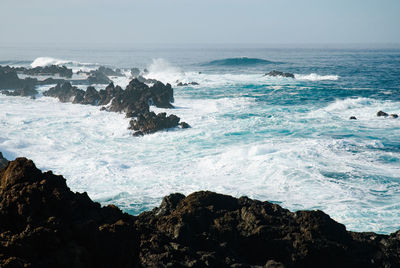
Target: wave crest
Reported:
[(315, 77)]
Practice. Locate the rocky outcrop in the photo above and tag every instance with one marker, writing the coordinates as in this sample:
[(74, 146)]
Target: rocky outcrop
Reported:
[(180, 84), (134, 101), (382, 113), (47, 70), (26, 91), (44, 224), (278, 73), (9, 79), (97, 77), (150, 122), (110, 72), (135, 72), (3, 161)]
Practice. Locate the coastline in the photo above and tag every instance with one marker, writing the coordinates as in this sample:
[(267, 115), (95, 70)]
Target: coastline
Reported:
[(203, 229)]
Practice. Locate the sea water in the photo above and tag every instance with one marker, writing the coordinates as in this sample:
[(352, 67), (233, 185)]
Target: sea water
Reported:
[(284, 140)]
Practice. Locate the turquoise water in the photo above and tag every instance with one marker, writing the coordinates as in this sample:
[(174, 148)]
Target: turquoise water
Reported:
[(284, 140)]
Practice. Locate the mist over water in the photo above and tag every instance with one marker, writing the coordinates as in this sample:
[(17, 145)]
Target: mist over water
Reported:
[(284, 140)]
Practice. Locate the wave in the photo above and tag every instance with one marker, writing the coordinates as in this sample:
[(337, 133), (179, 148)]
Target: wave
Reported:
[(315, 77), (242, 61), (46, 61)]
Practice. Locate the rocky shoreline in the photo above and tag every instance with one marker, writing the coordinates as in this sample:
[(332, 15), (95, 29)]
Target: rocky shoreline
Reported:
[(44, 224), (134, 101)]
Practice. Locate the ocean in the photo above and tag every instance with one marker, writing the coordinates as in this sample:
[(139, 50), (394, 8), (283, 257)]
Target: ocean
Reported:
[(284, 140)]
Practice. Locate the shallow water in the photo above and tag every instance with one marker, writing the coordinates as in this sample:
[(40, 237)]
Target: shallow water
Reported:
[(285, 140)]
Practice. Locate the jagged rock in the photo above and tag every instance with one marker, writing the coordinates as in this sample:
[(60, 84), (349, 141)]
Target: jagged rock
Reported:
[(381, 113), (9, 79), (109, 72), (97, 77), (3, 161), (44, 224), (353, 118), (135, 72), (66, 93), (184, 125), (180, 84), (150, 122), (48, 70), (209, 229), (26, 91), (278, 73)]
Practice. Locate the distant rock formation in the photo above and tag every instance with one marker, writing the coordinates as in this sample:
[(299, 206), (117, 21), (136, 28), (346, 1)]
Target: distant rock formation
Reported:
[(278, 73), (44, 224), (9, 79), (46, 70), (26, 91), (381, 113), (180, 84)]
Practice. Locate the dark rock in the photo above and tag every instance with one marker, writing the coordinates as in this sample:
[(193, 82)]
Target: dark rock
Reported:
[(3, 161), (48, 70), (381, 113), (91, 96), (150, 122), (26, 91), (9, 79), (184, 125), (278, 73), (44, 224), (97, 77), (146, 80), (353, 118), (135, 72), (66, 93), (180, 84), (394, 115), (109, 72)]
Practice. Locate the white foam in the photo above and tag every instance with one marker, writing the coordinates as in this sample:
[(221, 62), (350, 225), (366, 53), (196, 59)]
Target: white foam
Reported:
[(284, 157), (315, 77)]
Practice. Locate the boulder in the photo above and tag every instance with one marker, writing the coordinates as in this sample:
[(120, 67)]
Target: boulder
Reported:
[(353, 118), (381, 113), (66, 93), (278, 73), (394, 115)]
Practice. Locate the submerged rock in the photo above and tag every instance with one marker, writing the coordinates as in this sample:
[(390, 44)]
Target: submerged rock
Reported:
[(353, 118), (278, 73), (394, 115), (44, 224)]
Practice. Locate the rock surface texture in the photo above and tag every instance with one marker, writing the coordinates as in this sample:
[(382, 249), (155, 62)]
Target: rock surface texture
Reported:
[(44, 224)]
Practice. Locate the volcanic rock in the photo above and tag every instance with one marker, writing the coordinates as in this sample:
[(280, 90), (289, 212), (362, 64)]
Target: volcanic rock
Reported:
[(150, 122), (381, 113), (48, 70), (180, 84), (135, 72), (98, 77), (278, 73), (9, 79), (44, 224), (66, 93)]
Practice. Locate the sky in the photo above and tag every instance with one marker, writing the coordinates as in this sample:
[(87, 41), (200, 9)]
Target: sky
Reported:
[(194, 22)]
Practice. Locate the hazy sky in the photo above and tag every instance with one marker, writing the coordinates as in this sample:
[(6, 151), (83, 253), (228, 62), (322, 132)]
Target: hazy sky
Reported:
[(204, 21)]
